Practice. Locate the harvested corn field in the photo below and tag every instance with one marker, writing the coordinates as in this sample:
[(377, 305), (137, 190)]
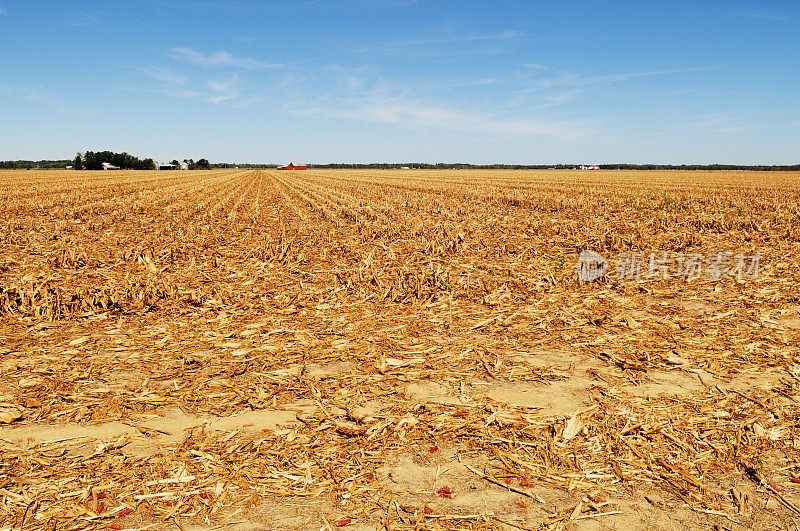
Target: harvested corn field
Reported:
[(398, 350)]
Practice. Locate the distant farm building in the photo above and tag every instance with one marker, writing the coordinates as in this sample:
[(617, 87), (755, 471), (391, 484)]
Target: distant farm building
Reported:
[(583, 167), (292, 166), (164, 166), (109, 166), (184, 165)]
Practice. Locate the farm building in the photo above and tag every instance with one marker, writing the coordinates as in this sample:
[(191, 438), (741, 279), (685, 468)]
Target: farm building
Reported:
[(292, 166), (164, 166), (109, 166), (184, 165)]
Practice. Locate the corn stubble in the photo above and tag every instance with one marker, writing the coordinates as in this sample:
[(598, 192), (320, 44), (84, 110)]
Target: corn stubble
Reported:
[(379, 312)]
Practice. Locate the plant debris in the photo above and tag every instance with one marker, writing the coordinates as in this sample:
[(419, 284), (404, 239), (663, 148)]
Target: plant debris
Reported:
[(406, 348)]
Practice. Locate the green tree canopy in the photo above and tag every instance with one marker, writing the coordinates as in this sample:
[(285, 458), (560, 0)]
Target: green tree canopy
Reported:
[(93, 160)]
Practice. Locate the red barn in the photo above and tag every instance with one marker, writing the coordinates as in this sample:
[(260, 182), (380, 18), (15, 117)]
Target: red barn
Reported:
[(291, 166)]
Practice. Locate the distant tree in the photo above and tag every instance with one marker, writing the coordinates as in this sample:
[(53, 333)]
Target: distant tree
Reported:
[(94, 161), (91, 161), (77, 164), (203, 164), (146, 164), (175, 163), (190, 163)]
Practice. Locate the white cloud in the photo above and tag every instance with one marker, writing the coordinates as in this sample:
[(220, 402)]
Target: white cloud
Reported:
[(730, 130), (355, 78), (223, 90), (40, 96), (419, 115), (183, 93), (534, 66), (403, 46), (504, 36), (570, 79), (187, 55), (559, 98), (216, 91), (244, 102), (165, 74), (173, 93), (723, 123), (511, 34)]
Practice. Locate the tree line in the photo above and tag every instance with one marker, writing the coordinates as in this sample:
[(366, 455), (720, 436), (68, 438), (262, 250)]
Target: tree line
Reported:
[(94, 161), (33, 164), (201, 164), (727, 167), (621, 166), (91, 160), (244, 165)]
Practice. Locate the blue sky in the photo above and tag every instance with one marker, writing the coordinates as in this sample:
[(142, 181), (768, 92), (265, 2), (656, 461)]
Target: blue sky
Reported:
[(402, 80)]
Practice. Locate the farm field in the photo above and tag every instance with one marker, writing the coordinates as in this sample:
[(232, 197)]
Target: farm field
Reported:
[(403, 349)]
